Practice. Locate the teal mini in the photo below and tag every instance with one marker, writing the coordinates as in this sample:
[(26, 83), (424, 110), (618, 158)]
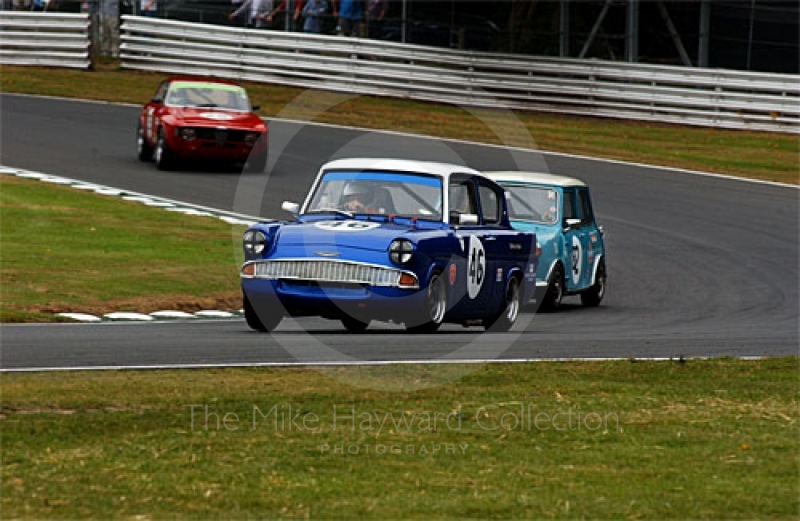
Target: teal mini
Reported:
[(559, 210)]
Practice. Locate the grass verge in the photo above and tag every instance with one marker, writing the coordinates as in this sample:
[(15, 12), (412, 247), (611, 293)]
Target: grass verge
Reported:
[(715, 438), (67, 250), (758, 155)]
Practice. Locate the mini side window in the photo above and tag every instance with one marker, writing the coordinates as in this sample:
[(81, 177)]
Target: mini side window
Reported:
[(586, 207), (569, 205)]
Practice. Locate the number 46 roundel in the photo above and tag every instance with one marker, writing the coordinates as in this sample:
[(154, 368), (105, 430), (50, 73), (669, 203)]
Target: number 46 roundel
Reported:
[(476, 267)]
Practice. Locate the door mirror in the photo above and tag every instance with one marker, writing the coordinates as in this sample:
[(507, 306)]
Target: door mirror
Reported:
[(467, 219), (571, 223), (156, 100), (255, 107), (290, 207)]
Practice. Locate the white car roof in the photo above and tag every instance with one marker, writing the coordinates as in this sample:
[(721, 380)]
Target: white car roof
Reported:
[(399, 165), (534, 178)]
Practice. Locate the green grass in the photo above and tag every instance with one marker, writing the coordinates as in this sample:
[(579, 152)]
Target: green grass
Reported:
[(704, 439), (67, 250), (759, 155)]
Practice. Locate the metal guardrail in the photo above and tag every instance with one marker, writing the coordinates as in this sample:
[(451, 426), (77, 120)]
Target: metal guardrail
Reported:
[(47, 39)]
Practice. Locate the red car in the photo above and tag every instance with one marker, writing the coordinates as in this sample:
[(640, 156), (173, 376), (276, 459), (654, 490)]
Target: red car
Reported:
[(201, 119)]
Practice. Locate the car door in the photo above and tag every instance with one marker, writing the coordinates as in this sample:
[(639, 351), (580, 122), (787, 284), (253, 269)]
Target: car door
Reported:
[(153, 112), (470, 290), (591, 234), (576, 237)]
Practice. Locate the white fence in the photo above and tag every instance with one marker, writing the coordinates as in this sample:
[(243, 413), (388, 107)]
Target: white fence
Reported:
[(707, 97), (48, 39)]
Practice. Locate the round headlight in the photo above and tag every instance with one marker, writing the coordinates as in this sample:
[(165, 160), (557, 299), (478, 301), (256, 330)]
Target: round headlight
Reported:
[(401, 251), (188, 134), (254, 241), (250, 139)]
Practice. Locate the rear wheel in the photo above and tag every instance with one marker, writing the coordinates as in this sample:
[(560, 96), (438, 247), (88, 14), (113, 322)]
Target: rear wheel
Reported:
[(353, 325), (594, 295), (164, 157), (555, 290), (435, 307), (143, 149), (262, 320), (508, 315)]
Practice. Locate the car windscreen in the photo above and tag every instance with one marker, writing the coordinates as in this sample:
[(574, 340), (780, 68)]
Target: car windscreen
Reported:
[(532, 203), (207, 95), (387, 193)]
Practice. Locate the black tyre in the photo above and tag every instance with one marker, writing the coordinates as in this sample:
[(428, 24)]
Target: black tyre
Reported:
[(163, 156), (143, 150), (256, 163), (508, 315), (262, 319), (435, 307), (594, 295), (353, 325), (555, 290)]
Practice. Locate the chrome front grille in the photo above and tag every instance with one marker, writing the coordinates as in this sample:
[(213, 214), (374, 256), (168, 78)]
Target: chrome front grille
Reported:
[(328, 271)]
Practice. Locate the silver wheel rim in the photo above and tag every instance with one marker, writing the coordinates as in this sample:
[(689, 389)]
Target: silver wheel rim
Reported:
[(601, 284), (139, 141), (159, 150), (559, 290), (437, 302), (513, 306)]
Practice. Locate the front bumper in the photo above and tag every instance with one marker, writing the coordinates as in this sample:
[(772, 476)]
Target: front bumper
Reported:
[(331, 289)]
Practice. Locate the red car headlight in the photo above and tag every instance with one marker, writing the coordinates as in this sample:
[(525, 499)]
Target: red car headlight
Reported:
[(250, 139)]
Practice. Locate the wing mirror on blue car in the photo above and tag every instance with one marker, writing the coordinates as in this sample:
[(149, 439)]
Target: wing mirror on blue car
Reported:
[(290, 207)]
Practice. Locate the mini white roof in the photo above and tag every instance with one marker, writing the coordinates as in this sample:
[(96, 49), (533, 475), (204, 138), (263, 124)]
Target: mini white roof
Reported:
[(399, 165), (534, 178)]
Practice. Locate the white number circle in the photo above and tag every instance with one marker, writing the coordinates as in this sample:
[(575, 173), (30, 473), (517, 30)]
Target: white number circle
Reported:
[(476, 266), (346, 226)]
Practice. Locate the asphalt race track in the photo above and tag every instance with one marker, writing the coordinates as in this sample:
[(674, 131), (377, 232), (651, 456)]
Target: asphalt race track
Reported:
[(698, 265)]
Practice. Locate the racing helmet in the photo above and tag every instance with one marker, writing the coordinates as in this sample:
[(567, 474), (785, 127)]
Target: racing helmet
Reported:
[(361, 190)]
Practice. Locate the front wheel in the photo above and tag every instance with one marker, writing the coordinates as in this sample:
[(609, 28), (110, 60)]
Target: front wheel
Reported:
[(143, 149), (435, 307), (508, 315), (262, 320), (594, 295), (256, 163), (353, 325), (164, 157), (555, 290)]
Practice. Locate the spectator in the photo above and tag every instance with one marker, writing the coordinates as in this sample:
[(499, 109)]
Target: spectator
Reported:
[(349, 12), (238, 20), (376, 11), (313, 13), (148, 8), (298, 7), (259, 13)]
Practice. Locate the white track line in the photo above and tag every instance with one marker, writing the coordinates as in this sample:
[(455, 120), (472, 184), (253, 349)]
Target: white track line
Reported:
[(367, 363), (466, 142)]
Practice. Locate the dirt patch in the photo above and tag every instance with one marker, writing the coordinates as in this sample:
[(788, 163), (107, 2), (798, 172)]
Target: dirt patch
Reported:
[(227, 300)]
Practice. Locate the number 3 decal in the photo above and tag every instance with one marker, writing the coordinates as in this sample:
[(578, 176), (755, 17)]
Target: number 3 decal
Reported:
[(476, 267)]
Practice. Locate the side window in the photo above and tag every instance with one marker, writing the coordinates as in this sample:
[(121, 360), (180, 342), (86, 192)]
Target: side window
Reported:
[(586, 206), (462, 199), (161, 93), (570, 212), (490, 205)]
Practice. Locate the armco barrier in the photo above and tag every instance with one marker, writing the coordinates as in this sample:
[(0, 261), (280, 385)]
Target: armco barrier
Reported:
[(47, 39)]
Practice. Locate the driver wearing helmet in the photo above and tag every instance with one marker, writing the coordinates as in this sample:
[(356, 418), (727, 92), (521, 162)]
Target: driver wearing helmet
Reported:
[(357, 197)]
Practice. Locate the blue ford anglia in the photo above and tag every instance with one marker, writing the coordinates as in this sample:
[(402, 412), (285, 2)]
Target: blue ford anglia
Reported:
[(415, 243), (559, 210)]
